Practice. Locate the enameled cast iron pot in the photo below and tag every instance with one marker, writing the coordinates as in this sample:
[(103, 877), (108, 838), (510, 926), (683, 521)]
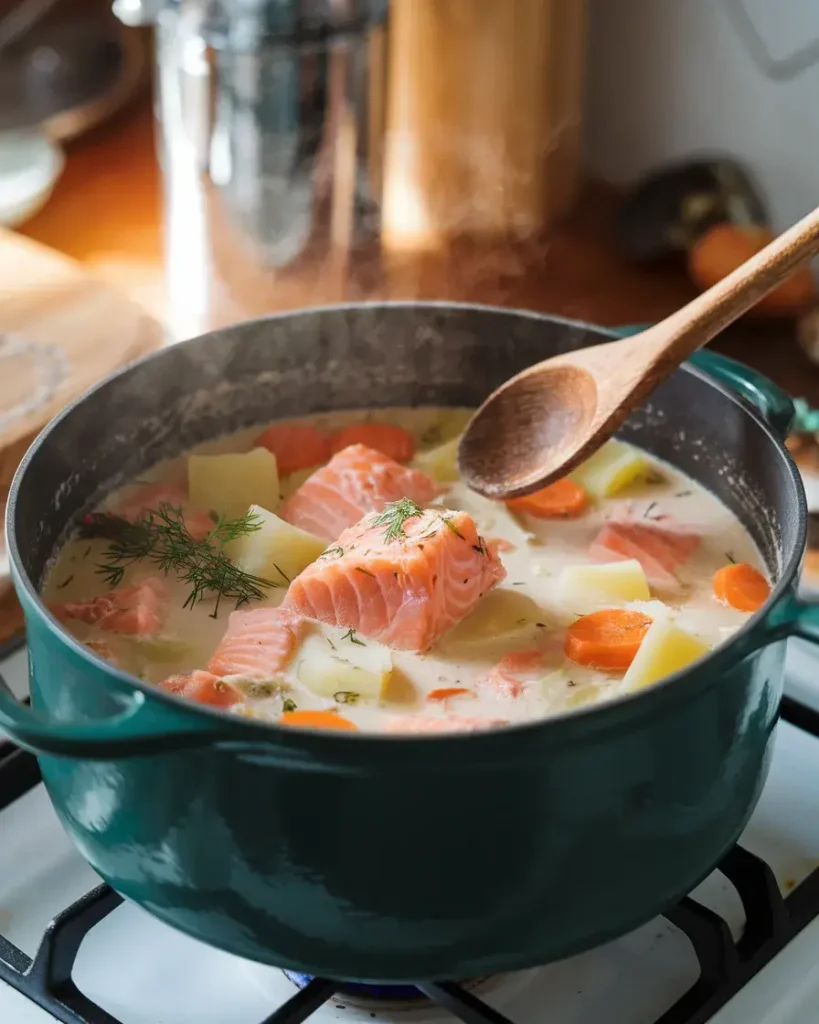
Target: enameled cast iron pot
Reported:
[(385, 858)]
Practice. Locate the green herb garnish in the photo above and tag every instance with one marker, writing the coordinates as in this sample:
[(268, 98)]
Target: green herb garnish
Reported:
[(336, 551), (350, 635), (346, 697), (455, 530), (289, 705), (647, 513), (395, 514), (161, 536), (730, 558), (65, 582), (366, 572)]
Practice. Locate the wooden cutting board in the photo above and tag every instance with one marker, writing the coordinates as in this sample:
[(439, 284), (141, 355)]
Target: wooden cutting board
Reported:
[(61, 330)]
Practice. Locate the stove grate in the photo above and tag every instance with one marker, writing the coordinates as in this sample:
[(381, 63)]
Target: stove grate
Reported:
[(725, 965)]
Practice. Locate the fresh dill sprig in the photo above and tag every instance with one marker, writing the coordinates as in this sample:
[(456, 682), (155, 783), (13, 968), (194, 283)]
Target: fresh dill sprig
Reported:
[(161, 536), (350, 635), (395, 514)]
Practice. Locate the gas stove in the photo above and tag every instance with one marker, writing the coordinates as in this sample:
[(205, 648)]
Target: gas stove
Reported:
[(743, 946)]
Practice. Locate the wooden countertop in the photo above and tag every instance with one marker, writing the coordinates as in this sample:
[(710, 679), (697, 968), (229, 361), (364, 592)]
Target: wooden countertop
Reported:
[(106, 213)]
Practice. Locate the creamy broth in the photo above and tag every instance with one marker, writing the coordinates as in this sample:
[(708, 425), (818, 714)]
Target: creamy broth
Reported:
[(531, 605)]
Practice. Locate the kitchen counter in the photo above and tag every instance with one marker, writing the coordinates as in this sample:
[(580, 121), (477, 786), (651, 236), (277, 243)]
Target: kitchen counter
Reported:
[(106, 213)]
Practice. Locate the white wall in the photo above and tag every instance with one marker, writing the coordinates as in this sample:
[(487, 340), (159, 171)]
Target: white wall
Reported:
[(672, 78)]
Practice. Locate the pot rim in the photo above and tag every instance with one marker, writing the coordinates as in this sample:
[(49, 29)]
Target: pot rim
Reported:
[(604, 715)]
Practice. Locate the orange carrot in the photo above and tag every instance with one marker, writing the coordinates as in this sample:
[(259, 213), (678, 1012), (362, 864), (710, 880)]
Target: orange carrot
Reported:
[(296, 446), (741, 586), (449, 691), (562, 499), (317, 720), (606, 640), (394, 442)]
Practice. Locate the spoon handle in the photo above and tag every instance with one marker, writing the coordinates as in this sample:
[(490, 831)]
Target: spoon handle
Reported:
[(702, 319)]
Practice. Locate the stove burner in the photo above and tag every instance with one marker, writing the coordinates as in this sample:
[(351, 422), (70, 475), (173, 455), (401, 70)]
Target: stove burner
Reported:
[(378, 993), (725, 965)]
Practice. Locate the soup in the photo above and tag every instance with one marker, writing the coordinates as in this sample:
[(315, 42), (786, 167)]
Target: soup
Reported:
[(336, 573)]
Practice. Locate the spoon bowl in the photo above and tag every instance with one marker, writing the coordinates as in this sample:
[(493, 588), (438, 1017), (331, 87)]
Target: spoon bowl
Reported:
[(545, 421)]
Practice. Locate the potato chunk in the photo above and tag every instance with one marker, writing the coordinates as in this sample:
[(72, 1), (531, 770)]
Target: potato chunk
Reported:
[(228, 484), (665, 649), (585, 588), (339, 665), (613, 467), (499, 615), (276, 549)]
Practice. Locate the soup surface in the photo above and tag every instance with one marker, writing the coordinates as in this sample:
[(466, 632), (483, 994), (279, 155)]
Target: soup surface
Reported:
[(336, 573)]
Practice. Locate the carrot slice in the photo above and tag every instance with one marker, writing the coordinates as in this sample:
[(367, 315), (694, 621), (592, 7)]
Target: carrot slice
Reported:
[(606, 640), (561, 499), (296, 446), (394, 442), (445, 692), (741, 586), (317, 720)]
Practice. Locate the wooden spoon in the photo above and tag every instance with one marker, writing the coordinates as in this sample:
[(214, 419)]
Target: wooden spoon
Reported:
[(546, 420)]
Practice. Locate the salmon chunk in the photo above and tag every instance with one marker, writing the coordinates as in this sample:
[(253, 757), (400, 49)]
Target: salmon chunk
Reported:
[(204, 688), (354, 482), (138, 610), (419, 724), (508, 678), (258, 643), (400, 581), (136, 505), (660, 552)]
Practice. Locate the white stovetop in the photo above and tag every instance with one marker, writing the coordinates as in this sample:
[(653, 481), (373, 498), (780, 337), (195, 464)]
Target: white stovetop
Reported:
[(143, 972)]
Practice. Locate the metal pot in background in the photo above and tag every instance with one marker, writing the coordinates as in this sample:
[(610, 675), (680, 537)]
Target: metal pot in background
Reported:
[(318, 151)]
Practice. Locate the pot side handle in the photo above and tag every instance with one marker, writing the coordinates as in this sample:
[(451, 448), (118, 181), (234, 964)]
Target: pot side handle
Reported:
[(140, 728), (769, 400)]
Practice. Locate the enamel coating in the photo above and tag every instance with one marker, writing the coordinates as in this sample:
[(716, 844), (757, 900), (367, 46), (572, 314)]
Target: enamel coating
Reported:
[(382, 858)]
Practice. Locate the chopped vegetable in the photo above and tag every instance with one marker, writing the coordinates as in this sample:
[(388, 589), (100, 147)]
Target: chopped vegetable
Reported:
[(588, 587), (297, 446), (229, 484), (440, 463), (499, 616), (612, 468), (741, 586), (276, 550), (446, 692), (665, 649), (559, 500), (607, 640), (395, 442), (317, 720), (363, 669)]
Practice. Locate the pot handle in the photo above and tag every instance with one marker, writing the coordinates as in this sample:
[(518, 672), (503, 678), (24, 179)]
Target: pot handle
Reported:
[(770, 401), (142, 727)]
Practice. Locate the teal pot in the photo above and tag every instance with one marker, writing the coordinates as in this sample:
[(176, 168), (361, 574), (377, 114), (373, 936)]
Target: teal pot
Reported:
[(383, 858)]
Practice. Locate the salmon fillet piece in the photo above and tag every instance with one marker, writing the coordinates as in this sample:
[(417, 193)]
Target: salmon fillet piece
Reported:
[(354, 482), (419, 724), (258, 644), (134, 507), (138, 610), (660, 552), (509, 677), (405, 588), (204, 688)]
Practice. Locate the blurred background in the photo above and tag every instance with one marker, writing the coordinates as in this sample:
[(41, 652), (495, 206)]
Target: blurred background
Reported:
[(170, 166)]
